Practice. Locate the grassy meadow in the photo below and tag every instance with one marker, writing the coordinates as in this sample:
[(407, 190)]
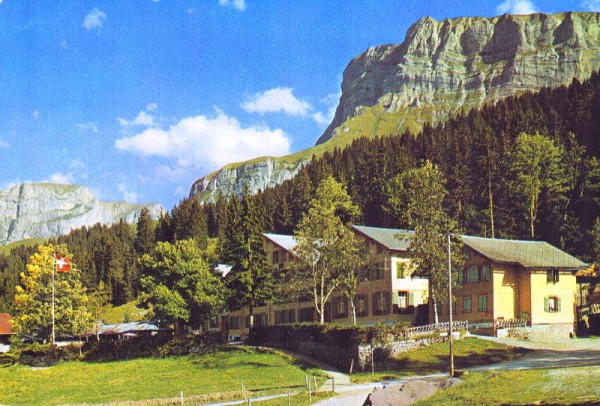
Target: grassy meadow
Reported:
[(149, 378), (468, 352), (566, 386)]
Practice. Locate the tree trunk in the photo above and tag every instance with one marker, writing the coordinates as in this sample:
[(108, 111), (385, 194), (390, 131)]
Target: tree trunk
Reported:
[(435, 312), (491, 202), (353, 312)]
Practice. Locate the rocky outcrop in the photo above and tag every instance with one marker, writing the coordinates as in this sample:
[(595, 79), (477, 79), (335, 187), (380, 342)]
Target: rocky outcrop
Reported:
[(233, 179), (45, 210), (441, 68), (446, 66)]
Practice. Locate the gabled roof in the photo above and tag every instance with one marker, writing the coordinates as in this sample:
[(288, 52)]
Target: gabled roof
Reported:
[(529, 254), (392, 238), (121, 328), (287, 242), (5, 327)]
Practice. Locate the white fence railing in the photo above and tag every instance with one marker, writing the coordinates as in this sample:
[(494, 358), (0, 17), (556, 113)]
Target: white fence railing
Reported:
[(419, 331)]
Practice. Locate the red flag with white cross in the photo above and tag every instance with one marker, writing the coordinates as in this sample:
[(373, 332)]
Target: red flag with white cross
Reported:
[(63, 264)]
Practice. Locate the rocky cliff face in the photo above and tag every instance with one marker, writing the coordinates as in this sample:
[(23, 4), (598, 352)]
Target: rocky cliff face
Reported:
[(446, 66), (46, 210), (441, 68), (256, 175)]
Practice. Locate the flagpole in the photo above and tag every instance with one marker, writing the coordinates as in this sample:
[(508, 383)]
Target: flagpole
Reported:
[(450, 337), (53, 269)]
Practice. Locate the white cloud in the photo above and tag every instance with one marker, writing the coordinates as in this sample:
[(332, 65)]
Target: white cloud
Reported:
[(591, 5), (63, 44), (277, 100), (516, 7), (61, 178), (94, 20), (239, 5), (282, 100), (35, 115), (89, 127), (128, 196), (205, 143), (4, 144), (143, 119)]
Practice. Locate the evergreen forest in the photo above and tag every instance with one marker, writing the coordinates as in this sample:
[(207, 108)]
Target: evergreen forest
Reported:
[(485, 156)]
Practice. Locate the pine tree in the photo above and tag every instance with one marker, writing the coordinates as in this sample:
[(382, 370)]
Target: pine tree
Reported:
[(250, 281), (145, 233)]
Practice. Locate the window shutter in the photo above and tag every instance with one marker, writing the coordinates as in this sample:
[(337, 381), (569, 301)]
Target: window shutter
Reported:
[(546, 304), (411, 298), (549, 277), (396, 298), (558, 306)]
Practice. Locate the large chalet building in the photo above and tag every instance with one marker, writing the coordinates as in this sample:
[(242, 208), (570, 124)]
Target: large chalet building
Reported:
[(501, 279)]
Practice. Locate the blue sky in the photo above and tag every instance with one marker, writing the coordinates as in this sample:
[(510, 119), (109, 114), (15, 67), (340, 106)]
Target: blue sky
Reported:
[(137, 99)]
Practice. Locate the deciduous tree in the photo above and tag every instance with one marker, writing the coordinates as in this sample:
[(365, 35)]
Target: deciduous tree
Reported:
[(325, 245), (33, 300)]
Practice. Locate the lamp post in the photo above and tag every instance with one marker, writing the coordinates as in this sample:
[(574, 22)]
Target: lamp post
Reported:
[(450, 337)]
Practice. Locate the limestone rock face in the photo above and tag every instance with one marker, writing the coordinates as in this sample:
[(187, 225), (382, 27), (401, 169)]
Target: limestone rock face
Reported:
[(441, 68), (445, 66), (47, 210), (256, 176)]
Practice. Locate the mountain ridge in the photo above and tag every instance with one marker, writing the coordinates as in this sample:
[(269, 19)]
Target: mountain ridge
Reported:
[(44, 210), (441, 68)]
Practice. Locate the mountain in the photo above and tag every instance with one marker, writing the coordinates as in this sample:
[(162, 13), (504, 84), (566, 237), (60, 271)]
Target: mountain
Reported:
[(43, 210), (442, 68)]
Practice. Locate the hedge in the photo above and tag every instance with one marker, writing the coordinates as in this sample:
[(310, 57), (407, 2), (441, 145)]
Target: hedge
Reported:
[(333, 344)]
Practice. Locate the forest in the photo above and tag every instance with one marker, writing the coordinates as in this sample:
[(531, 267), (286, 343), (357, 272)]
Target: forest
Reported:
[(482, 155)]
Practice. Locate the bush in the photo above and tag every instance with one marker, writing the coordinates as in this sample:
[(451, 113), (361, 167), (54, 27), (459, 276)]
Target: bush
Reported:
[(43, 355), (160, 345)]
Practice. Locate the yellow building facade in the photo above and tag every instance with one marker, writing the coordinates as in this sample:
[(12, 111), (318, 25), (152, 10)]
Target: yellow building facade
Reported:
[(510, 279)]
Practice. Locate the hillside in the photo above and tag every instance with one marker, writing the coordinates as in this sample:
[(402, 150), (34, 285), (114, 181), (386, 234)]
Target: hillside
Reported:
[(442, 68), (44, 210)]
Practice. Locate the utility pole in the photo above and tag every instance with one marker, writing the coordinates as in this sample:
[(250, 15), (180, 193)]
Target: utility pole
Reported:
[(450, 337), (53, 270)]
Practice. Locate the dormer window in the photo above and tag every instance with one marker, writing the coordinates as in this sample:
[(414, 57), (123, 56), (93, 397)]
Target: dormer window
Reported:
[(275, 257)]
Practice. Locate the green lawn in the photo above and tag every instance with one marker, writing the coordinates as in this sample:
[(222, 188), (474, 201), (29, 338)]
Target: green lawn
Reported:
[(555, 386), (223, 371), (468, 352)]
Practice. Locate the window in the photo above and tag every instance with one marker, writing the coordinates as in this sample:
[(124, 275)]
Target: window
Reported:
[(362, 305), (473, 274), (485, 273), (275, 257), (340, 307), (482, 303), (402, 300), (381, 303), (467, 304), (552, 275), (377, 272), (400, 270), (306, 314), (552, 304), (285, 316), (235, 323)]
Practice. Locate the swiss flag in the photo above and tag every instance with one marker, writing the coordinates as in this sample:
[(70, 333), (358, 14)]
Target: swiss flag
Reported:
[(62, 264)]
